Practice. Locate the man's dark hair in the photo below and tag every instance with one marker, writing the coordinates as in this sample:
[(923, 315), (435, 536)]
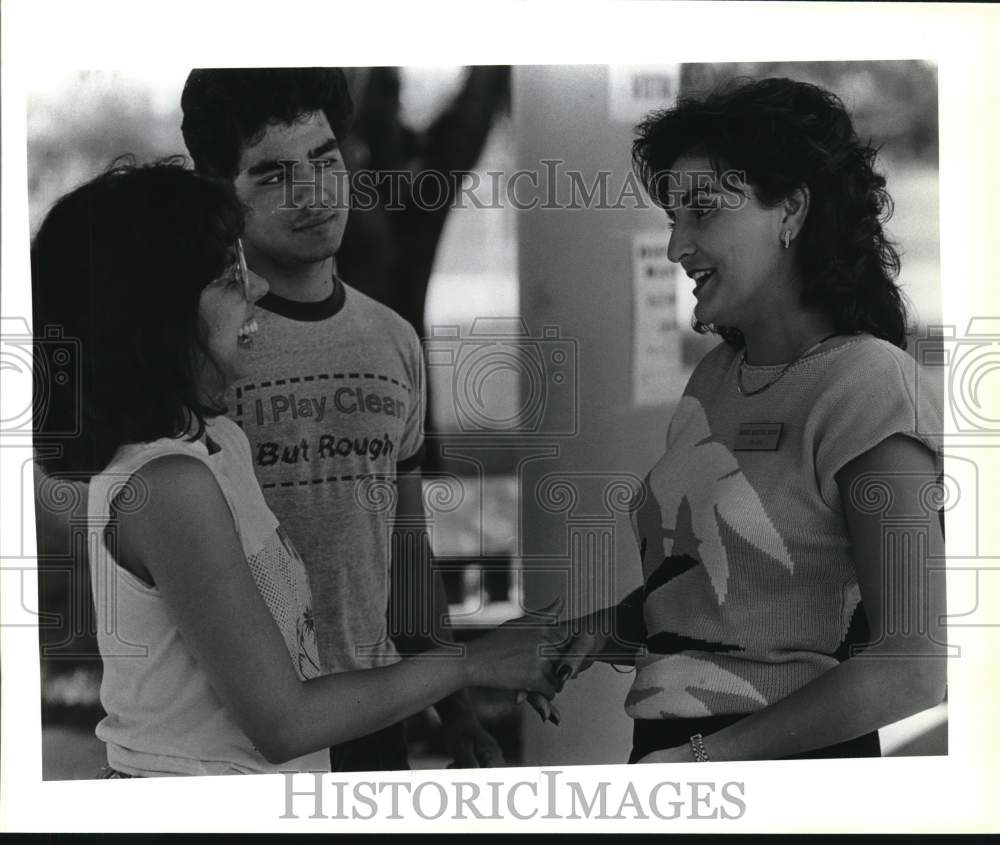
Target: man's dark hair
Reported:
[(228, 109), (784, 134), (118, 267)]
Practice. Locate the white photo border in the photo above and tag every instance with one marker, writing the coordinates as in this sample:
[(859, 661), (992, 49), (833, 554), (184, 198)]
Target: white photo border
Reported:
[(951, 793)]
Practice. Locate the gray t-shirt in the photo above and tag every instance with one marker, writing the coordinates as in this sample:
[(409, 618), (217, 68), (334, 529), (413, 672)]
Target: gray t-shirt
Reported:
[(333, 409)]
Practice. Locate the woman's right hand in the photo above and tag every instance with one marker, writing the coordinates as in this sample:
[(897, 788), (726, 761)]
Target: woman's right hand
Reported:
[(519, 655), (587, 637)]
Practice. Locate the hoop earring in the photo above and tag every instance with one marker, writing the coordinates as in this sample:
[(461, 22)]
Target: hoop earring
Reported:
[(786, 239)]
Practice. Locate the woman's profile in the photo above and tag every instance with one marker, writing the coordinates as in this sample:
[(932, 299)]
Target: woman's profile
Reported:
[(775, 620)]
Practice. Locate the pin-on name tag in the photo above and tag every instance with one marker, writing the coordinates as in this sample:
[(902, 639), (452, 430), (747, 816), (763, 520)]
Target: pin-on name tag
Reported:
[(758, 437)]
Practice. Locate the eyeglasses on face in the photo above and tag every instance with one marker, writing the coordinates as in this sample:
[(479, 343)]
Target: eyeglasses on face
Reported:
[(243, 274), (237, 273)]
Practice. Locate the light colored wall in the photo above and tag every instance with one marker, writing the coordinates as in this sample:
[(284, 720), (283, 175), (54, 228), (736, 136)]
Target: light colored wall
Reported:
[(575, 272)]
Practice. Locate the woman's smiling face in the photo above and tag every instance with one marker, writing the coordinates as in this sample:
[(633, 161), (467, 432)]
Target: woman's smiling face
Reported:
[(729, 243), (225, 309)]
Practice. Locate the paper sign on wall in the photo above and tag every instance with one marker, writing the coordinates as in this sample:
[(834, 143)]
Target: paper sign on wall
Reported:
[(656, 357), (635, 90)]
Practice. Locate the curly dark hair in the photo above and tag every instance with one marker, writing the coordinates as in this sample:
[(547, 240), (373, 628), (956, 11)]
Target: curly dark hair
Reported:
[(228, 109), (784, 135), (117, 267)]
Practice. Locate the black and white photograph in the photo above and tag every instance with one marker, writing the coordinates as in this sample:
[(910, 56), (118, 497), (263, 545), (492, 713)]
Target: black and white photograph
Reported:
[(373, 424)]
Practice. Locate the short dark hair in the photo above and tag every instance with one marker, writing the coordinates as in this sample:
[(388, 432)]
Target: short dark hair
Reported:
[(784, 135), (227, 109), (118, 265)]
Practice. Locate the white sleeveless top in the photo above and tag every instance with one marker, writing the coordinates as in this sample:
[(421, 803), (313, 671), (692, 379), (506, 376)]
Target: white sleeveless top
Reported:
[(163, 716)]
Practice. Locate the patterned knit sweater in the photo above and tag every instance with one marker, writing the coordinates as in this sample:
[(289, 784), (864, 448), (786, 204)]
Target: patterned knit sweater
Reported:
[(750, 587)]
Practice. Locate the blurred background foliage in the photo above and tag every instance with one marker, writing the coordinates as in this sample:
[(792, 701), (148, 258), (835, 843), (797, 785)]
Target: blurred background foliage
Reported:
[(893, 103)]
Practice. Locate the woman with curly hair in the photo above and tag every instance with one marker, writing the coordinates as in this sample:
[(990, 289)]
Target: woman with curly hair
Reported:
[(778, 618), (203, 606)]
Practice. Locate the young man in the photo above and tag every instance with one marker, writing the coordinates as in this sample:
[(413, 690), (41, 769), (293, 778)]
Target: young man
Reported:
[(334, 404)]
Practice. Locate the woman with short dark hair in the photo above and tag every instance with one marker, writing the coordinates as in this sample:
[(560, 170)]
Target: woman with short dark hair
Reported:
[(775, 619)]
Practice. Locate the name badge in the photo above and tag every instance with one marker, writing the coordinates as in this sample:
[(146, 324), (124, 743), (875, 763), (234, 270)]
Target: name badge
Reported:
[(758, 437)]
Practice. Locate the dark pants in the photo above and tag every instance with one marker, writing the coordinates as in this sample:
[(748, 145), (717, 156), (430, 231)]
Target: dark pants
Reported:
[(382, 751), (656, 734)]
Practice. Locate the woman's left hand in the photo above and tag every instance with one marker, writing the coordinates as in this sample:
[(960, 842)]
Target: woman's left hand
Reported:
[(679, 754)]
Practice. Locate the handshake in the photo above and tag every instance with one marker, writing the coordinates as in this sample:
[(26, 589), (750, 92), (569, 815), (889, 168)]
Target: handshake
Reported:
[(534, 655)]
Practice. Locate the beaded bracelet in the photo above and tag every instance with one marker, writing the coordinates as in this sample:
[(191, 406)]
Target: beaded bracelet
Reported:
[(698, 749)]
